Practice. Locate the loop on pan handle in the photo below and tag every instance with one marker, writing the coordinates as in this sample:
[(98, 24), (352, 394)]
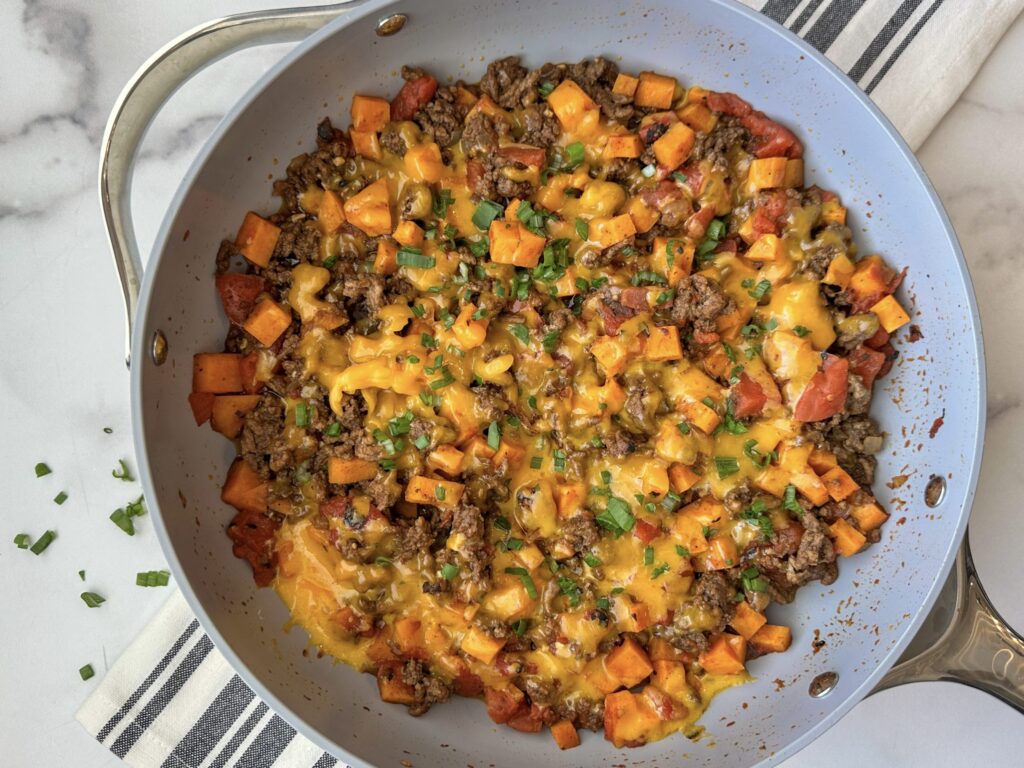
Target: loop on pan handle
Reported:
[(978, 648), (148, 91)]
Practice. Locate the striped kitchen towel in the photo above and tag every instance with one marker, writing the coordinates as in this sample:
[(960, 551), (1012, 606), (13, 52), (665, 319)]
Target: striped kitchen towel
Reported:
[(172, 701)]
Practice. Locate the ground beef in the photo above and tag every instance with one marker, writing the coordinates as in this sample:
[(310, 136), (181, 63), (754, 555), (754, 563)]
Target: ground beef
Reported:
[(817, 259), (505, 81), (473, 551), (414, 538), (854, 440), (261, 436), (299, 242), (623, 171), (788, 563), (441, 118), (700, 301), (428, 690), (858, 397), (361, 293), (490, 400), (583, 712), (619, 444), (540, 126), (384, 491), (321, 166), (491, 182), (579, 533), (392, 141), (714, 146), (480, 137), (596, 77), (717, 594)]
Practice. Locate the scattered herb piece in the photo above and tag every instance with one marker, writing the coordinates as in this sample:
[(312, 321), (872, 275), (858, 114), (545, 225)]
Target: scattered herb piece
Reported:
[(42, 470), (86, 672), (93, 600), (43, 542), (152, 579)]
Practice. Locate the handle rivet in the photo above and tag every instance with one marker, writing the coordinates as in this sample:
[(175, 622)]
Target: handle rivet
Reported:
[(392, 24), (935, 491), (823, 684), (158, 348)]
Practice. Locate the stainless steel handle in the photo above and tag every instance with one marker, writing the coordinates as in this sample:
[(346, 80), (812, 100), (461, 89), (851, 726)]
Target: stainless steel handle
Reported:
[(978, 648), (148, 91)]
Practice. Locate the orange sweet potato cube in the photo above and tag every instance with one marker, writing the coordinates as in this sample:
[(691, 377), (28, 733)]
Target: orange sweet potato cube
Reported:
[(446, 458), (573, 107), (726, 654), (794, 175), (698, 117), (767, 248), (644, 216), (346, 471), (423, 162), (810, 486), (670, 676), (746, 621), (428, 490), (243, 488), (217, 372), (654, 90), (365, 143), (821, 461), (391, 687), (370, 113), (257, 238), (772, 638), (869, 516), (682, 478), (608, 232), (663, 344), (721, 555), (689, 532), (847, 540), (629, 663), (228, 411), (766, 173), (569, 498), (700, 415), (839, 271), (409, 233), (267, 321), (833, 212), (623, 145), (331, 212), (370, 209), (386, 260), (565, 735), (597, 674), (512, 243), (674, 146), (838, 483), (202, 406), (674, 257), (891, 314), (625, 85), (480, 645)]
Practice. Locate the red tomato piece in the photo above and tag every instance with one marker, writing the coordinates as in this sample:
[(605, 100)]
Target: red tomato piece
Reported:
[(528, 721), (335, 506), (697, 224), (474, 172), (645, 531), (502, 706), (879, 340), (525, 154), (748, 398), (238, 294), (770, 138), (635, 298), (414, 94), (252, 533), (866, 363), (705, 337), (826, 393)]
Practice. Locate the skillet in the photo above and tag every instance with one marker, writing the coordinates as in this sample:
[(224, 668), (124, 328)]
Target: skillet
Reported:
[(866, 619)]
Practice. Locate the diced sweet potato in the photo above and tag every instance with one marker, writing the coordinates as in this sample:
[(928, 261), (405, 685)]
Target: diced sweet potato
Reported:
[(386, 260), (267, 322), (847, 540), (810, 486), (202, 406), (698, 117), (227, 413), (565, 735), (725, 655), (512, 243), (794, 175), (331, 213), (833, 212), (370, 113), (569, 498), (409, 233), (629, 663), (216, 372), (607, 232), (408, 635), (504, 703), (838, 483), (772, 638), (391, 687), (575, 110), (868, 516), (821, 461), (527, 720), (446, 458), (623, 145), (644, 216), (257, 239), (670, 676), (746, 621), (663, 344), (370, 209), (682, 478), (509, 453), (365, 143), (767, 248), (346, 471), (891, 314), (654, 90), (428, 490), (721, 555), (625, 85), (674, 146), (481, 645), (766, 173), (244, 489), (509, 602), (597, 674), (628, 721), (700, 415), (423, 162)]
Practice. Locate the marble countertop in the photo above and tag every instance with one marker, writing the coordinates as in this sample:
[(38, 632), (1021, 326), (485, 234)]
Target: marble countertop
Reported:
[(63, 378)]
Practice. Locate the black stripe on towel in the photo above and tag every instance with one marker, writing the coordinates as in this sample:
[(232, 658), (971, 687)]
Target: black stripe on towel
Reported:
[(903, 46), (885, 35), (831, 23), (196, 745), (172, 685), (779, 10), (268, 744), (805, 15), (240, 735), (326, 761), (150, 679)]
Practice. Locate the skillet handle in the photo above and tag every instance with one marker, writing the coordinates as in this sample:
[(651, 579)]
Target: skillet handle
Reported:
[(148, 91), (978, 647)]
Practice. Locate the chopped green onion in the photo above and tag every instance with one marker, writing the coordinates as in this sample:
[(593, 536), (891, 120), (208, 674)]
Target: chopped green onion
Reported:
[(789, 502), (683, 428), (414, 257), (442, 199), (60, 498), (449, 571), (440, 492), (301, 415), (550, 342), (42, 470), (535, 462), (559, 460), (419, 310), (526, 579), (760, 290), (663, 568), (400, 425), (493, 436), (606, 477), (81, 575), (591, 559), (108, 430), (43, 542), (682, 551), (22, 540), (382, 561), (545, 88), (570, 589), (333, 429), (726, 465), (444, 381), (93, 600), (486, 212), (86, 672), (521, 332), (646, 277), (502, 523), (716, 229), (648, 555), (422, 442), (520, 626), (124, 473), (152, 578), (801, 331), (582, 229), (330, 261), (428, 341), (616, 517)]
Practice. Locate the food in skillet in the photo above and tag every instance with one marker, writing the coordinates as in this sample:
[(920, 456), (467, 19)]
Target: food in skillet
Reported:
[(545, 389)]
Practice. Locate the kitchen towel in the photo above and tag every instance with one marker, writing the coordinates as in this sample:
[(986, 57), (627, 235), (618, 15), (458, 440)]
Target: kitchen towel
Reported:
[(172, 701)]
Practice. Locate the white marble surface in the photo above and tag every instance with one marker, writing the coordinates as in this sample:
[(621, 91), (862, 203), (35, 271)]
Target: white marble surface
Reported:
[(62, 379)]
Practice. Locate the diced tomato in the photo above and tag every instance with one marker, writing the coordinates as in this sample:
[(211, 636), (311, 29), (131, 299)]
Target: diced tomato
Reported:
[(728, 245), (645, 531), (879, 340), (528, 721), (468, 684), (502, 706), (694, 177), (747, 397), (238, 294), (825, 395), (866, 363), (202, 406), (613, 318), (414, 94), (661, 195), (335, 506), (705, 337), (890, 355), (635, 298), (697, 224), (770, 138), (474, 172), (253, 533), (525, 154)]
